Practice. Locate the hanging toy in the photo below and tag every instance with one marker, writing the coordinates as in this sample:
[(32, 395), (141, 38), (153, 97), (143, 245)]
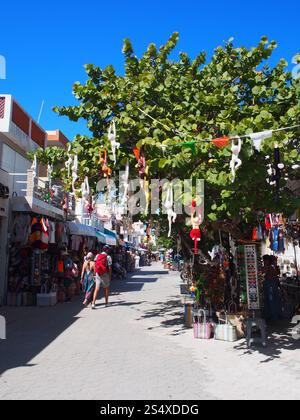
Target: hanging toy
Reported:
[(236, 163), (86, 202), (169, 203), (125, 181), (142, 164), (74, 173), (196, 222), (112, 137), (104, 167), (69, 162), (34, 168)]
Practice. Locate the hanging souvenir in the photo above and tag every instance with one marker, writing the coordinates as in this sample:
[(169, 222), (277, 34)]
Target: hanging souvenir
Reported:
[(236, 163), (112, 137), (74, 173), (104, 167), (34, 168), (196, 222), (125, 182), (258, 138), (169, 203), (221, 142), (142, 164), (85, 189), (69, 162)]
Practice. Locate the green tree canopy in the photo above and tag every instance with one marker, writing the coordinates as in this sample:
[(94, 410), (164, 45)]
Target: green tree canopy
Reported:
[(236, 92)]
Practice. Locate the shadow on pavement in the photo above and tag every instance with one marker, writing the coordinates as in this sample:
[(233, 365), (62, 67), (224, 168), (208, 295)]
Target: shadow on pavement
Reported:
[(31, 329), (280, 339), (169, 315)]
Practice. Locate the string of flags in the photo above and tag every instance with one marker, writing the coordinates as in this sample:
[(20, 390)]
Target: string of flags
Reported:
[(222, 142), (236, 146)]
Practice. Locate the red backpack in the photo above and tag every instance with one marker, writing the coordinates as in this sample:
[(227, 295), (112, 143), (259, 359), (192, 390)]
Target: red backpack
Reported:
[(101, 264)]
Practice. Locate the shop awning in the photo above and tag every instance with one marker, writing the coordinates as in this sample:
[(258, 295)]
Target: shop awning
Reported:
[(106, 239), (82, 230)]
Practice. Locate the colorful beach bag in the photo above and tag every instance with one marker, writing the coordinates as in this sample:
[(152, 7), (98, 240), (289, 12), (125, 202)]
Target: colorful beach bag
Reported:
[(226, 331), (202, 330)]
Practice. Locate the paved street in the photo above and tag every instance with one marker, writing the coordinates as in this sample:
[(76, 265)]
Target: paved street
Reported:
[(137, 348)]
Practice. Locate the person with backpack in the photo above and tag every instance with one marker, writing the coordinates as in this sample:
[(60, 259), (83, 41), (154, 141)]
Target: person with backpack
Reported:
[(103, 268)]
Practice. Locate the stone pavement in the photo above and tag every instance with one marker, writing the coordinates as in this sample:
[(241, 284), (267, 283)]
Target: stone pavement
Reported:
[(138, 348)]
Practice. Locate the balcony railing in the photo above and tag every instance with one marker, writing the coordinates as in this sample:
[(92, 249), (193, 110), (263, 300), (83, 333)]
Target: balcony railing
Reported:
[(35, 188)]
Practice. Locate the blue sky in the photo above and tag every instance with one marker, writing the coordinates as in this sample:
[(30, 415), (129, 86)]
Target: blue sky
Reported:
[(47, 43)]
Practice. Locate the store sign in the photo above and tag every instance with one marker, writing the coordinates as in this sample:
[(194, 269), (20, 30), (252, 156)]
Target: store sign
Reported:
[(4, 191), (252, 277), (2, 328)]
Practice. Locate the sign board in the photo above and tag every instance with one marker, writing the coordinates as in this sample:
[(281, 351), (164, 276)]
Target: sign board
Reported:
[(252, 277)]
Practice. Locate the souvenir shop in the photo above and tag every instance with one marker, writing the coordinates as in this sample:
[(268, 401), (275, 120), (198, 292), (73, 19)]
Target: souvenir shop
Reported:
[(45, 258), (230, 297)]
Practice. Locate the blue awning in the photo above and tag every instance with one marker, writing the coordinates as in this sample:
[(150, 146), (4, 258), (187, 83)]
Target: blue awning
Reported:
[(106, 239)]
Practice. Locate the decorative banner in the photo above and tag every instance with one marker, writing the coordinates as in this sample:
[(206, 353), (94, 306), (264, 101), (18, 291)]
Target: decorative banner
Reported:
[(136, 152), (190, 145), (221, 142), (258, 138)]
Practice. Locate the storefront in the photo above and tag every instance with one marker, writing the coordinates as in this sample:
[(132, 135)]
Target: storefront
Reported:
[(4, 221)]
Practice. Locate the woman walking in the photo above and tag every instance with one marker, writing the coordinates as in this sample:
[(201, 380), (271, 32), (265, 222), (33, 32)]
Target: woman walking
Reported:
[(88, 278)]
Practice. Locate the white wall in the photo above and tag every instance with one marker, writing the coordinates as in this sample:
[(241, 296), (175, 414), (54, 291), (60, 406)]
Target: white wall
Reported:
[(12, 162)]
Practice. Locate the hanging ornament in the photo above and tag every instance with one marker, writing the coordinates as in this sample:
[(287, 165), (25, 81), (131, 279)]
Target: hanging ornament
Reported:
[(74, 172), (169, 203), (50, 172), (125, 182), (195, 233), (86, 203), (236, 163), (258, 138), (34, 168), (104, 167), (142, 164), (112, 137), (221, 142), (69, 162)]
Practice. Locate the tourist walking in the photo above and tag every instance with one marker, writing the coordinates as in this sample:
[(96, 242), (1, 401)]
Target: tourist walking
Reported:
[(103, 269), (88, 278)]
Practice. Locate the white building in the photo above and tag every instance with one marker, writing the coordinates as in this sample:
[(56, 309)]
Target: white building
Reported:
[(19, 188)]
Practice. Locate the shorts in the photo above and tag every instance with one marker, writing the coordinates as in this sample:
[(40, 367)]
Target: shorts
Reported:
[(103, 281)]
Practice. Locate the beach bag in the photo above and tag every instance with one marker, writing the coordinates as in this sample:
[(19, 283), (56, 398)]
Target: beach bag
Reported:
[(202, 330), (226, 331), (101, 264)]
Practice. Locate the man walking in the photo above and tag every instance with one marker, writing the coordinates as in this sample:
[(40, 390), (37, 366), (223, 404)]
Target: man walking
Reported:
[(103, 268)]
